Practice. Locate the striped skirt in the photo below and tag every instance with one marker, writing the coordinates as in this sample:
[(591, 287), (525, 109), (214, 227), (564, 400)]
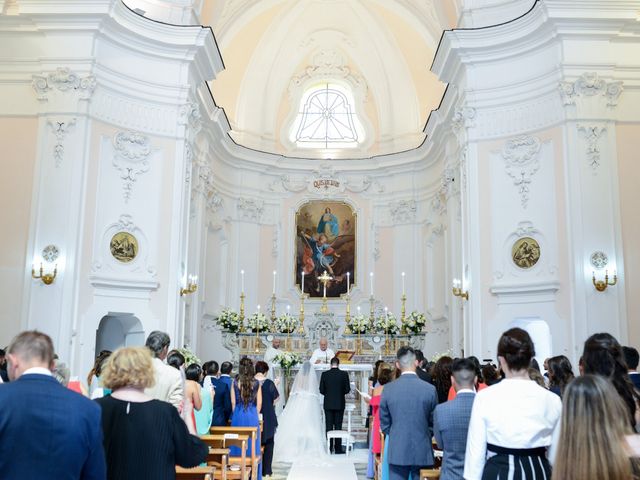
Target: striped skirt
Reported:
[(517, 464)]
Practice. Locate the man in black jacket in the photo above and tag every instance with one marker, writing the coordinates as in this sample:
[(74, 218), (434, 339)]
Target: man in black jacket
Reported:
[(334, 385)]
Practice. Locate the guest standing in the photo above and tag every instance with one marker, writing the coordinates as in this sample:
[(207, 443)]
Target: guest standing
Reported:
[(451, 419), (46, 430), (143, 437), (514, 419), (203, 414), (386, 373), (406, 416), (334, 385), (441, 377), (632, 358), (594, 433), (603, 356), (269, 419), (222, 398), (225, 374), (246, 400), (560, 374), (168, 385), (93, 378)]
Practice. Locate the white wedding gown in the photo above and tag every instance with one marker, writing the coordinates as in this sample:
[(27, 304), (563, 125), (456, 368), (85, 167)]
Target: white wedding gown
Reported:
[(300, 437), (300, 433)]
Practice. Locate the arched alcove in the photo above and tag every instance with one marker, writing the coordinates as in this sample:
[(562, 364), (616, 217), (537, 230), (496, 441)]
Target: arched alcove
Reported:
[(119, 330), (540, 333)]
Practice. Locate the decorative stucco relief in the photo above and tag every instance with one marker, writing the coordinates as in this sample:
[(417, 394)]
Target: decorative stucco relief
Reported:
[(403, 211), (250, 209), (520, 155), (132, 150), (589, 84), (60, 129), (592, 134), (63, 80)]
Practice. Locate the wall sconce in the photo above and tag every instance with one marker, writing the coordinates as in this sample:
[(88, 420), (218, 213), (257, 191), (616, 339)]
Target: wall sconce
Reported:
[(47, 278), (457, 290), (192, 286), (601, 285)]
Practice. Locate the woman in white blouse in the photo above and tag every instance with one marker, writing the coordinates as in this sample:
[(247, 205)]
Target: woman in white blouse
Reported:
[(512, 422)]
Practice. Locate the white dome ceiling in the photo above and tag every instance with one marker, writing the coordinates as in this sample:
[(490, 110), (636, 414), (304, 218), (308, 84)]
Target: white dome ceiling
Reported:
[(381, 50)]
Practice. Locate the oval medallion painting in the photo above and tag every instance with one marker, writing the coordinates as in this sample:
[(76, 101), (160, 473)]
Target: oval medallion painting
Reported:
[(124, 247), (525, 252)]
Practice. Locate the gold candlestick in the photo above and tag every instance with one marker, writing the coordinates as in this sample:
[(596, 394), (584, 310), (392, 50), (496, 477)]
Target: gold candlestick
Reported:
[(358, 344), (324, 278), (386, 341), (302, 297), (242, 297), (403, 311), (347, 316), (273, 309)]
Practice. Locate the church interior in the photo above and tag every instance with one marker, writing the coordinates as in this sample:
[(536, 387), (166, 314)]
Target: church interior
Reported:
[(372, 172)]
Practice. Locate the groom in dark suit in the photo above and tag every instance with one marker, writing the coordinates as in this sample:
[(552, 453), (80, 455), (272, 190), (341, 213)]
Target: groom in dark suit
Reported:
[(334, 385)]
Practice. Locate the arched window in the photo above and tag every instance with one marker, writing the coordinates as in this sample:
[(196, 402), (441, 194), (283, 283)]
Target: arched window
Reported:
[(326, 119)]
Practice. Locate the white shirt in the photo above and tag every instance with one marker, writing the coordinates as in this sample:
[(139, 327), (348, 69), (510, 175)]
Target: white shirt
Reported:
[(513, 414), (38, 371), (324, 356)]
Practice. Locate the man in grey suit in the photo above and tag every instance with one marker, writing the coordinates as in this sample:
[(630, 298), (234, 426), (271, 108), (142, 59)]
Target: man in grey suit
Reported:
[(406, 416), (451, 420)]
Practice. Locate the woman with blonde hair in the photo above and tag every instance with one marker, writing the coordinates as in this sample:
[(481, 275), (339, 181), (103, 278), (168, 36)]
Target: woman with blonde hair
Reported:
[(143, 437), (594, 433)]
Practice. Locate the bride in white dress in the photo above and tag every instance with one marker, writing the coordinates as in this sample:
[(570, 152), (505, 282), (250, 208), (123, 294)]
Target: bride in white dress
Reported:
[(300, 434)]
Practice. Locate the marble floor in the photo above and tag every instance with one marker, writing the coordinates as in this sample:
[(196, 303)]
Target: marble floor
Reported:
[(359, 458)]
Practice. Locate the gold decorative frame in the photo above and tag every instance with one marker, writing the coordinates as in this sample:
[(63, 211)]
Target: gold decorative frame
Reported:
[(525, 252), (124, 247)]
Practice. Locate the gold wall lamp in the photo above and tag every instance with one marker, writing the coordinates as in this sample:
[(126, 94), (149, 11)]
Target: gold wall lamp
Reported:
[(457, 290), (47, 278), (601, 285), (192, 286)]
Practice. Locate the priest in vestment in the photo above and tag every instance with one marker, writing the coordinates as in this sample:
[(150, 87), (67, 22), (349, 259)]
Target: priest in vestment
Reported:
[(323, 354), (272, 352)]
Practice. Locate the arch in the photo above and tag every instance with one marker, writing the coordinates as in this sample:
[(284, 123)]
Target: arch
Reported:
[(117, 330), (540, 333)]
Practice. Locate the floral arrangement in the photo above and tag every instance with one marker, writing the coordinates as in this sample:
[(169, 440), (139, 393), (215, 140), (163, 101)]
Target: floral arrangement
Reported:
[(287, 360), (229, 320), (258, 322), (439, 355), (360, 324), (414, 322), (386, 323), (189, 357), (286, 323)]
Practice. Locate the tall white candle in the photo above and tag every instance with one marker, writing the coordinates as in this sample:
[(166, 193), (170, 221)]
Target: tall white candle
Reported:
[(241, 281), (371, 283), (386, 313), (302, 288), (274, 282), (358, 309), (348, 278), (402, 283)]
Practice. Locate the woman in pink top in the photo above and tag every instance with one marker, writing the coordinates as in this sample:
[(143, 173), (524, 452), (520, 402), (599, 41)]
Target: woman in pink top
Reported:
[(385, 375)]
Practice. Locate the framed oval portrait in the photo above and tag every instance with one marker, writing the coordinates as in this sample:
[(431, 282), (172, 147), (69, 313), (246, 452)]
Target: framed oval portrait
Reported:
[(124, 247), (525, 252)]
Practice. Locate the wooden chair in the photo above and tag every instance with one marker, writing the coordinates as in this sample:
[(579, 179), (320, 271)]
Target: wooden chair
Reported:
[(195, 473), (219, 456), (256, 458), (429, 474)]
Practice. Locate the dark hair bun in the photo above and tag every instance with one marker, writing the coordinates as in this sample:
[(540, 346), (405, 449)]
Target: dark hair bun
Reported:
[(516, 347)]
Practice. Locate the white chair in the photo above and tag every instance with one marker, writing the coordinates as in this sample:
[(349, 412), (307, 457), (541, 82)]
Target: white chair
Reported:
[(345, 436)]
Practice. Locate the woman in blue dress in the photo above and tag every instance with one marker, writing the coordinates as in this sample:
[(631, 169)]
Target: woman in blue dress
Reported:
[(246, 400)]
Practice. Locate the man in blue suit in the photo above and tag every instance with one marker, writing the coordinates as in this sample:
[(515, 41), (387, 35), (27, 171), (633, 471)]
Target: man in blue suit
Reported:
[(46, 430), (222, 398), (451, 420), (406, 416), (225, 374), (632, 358)]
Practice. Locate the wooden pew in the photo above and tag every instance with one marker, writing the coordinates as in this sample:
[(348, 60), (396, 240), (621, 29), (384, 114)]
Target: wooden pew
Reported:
[(195, 473), (256, 458), (219, 456)]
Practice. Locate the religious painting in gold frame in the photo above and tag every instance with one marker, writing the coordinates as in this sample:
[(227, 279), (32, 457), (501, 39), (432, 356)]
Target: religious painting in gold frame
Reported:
[(325, 240), (124, 247), (525, 252)]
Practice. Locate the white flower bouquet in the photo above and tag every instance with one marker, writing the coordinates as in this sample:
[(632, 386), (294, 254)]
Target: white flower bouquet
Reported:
[(360, 324), (286, 323), (258, 322), (189, 357), (229, 320), (415, 322), (386, 323), (287, 360)]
